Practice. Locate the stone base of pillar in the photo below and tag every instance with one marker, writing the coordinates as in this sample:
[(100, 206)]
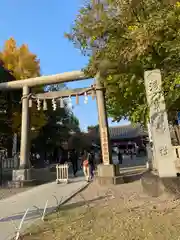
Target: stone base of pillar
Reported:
[(155, 186), (22, 178), (109, 174), (22, 174), (30, 177)]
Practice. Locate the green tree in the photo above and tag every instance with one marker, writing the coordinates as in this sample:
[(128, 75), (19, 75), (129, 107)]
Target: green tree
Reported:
[(73, 123), (80, 141), (93, 128), (122, 40), (60, 125)]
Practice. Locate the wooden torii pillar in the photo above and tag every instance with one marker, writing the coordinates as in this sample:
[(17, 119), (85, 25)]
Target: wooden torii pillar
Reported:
[(107, 171)]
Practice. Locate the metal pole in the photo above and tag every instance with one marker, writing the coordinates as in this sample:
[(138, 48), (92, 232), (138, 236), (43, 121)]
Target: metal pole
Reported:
[(25, 129), (103, 122)]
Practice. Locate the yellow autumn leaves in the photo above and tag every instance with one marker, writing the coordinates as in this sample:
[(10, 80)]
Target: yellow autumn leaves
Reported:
[(178, 4), (132, 28), (18, 59)]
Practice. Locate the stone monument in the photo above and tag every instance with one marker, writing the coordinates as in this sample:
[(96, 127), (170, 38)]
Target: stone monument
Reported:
[(164, 156)]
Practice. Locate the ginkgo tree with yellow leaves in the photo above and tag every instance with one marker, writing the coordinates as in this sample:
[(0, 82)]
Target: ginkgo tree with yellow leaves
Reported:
[(21, 63), (19, 60)]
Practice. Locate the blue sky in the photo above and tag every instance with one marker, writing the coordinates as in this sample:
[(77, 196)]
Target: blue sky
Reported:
[(41, 24)]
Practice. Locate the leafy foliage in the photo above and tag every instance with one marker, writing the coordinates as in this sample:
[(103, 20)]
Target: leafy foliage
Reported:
[(93, 127), (81, 140), (22, 64), (61, 124), (19, 63), (19, 60), (122, 40)]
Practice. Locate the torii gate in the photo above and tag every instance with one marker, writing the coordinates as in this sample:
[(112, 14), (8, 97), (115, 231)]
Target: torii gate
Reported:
[(107, 172)]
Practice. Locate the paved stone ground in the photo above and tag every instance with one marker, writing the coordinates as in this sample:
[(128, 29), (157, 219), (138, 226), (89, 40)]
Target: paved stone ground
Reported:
[(8, 192), (127, 162), (13, 208), (135, 161)]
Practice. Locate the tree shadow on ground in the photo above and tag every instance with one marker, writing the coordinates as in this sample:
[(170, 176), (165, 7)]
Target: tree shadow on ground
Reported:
[(129, 178), (37, 213)]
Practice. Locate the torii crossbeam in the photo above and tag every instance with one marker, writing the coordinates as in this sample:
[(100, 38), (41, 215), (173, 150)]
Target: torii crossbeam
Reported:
[(26, 84)]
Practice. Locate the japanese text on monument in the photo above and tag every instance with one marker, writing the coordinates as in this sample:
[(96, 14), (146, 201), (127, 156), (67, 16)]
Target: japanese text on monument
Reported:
[(158, 115)]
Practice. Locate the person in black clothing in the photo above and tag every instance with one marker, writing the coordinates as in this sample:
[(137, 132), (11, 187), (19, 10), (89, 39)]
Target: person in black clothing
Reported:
[(74, 160), (120, 158), (91, 163), (64, 156)]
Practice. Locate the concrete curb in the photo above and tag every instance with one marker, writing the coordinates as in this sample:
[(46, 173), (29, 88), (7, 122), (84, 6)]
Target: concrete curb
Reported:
[(74, 194), (138, 167), (131, 177), (129, 171)]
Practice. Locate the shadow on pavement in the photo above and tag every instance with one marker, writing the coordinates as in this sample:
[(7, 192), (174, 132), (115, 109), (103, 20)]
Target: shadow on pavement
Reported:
[(79, 204), (128, 178), (37, 213)]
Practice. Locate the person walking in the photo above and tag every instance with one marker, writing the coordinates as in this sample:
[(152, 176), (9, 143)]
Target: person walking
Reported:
[(91, 160), (85, 166), (74, 160), (120, 157)]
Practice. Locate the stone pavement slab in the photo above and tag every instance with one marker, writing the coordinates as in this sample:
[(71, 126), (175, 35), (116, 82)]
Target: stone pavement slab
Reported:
[(135, 161), (13, 208)]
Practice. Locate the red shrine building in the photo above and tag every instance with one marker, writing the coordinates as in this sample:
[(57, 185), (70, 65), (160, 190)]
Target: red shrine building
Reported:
[(128, 134), (123, 136)]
